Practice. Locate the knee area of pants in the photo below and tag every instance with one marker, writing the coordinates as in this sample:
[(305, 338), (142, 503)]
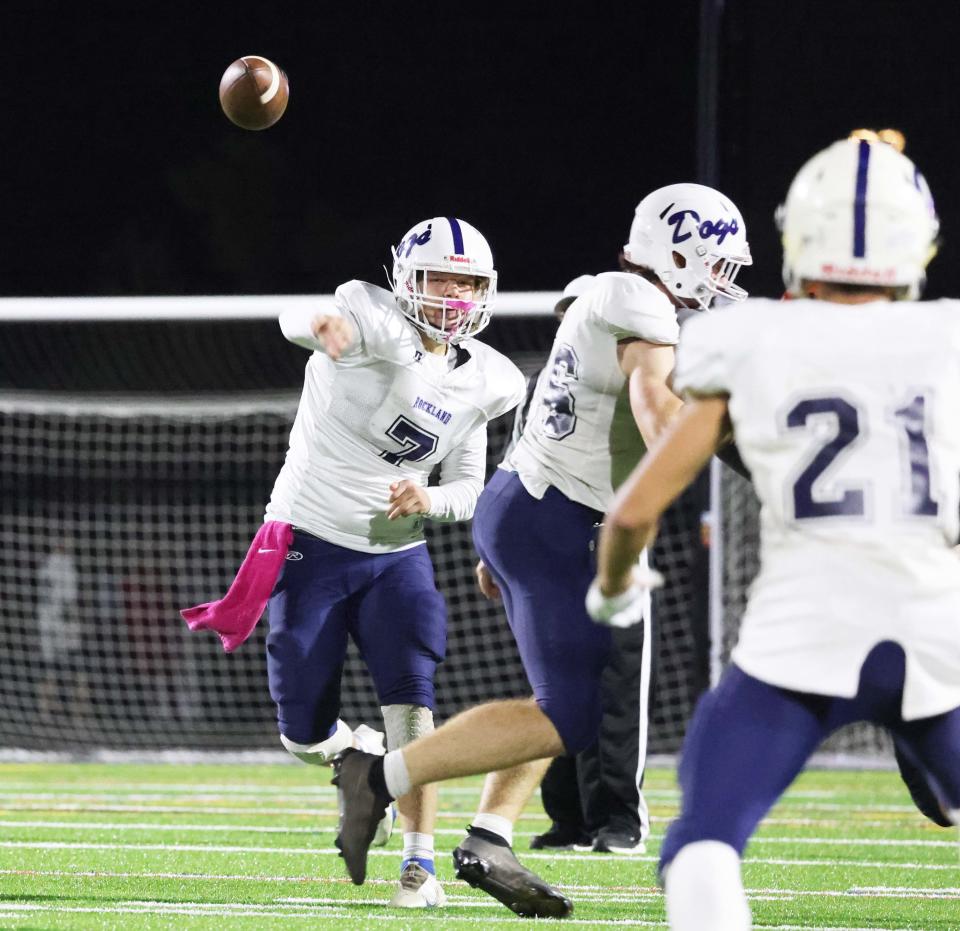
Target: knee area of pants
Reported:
[(321, 752), (413, 691), (405, 723)]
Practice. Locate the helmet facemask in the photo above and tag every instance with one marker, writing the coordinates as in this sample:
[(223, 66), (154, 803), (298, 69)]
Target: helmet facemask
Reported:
[(708, 276), (456, 319)]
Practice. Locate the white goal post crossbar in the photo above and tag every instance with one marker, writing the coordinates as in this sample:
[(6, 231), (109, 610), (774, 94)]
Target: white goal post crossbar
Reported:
[(219, 307)]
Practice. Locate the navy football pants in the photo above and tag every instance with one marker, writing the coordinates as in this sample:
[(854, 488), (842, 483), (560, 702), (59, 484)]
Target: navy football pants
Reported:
[(748, 740), (387, 603), (540, 553)]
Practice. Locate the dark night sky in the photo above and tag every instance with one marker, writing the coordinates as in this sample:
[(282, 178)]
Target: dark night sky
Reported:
[(541, 127)]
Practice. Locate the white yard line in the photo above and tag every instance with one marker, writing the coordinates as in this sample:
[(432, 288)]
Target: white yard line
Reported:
[(201, 791), (147, 792), (591, 892), (423, 918), (245, 811), (203, 797), (449, 815), (206, 788), (847, 808), (531, 855), (176, 788), (437, 916), (271, 829), (853, 842)]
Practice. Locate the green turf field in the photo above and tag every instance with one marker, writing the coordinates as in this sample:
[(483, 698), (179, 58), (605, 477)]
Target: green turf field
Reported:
[(250, 847)]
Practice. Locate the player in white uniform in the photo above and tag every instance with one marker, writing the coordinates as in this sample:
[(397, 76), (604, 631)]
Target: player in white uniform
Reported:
[(844, 408), (396, 385), (603, 394), (595, 799)]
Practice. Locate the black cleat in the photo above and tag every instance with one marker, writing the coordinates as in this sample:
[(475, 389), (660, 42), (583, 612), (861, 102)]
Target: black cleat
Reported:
[(562, 837), (495, 869), (362, 809)]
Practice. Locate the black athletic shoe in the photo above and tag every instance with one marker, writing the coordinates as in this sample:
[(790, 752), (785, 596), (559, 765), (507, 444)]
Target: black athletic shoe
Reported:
[(561, 837), (362, 809), (611, 840), (495, 869)]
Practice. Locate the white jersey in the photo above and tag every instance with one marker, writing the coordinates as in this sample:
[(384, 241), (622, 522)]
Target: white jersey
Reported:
[(386, 410), (580, 435), (847, 417)]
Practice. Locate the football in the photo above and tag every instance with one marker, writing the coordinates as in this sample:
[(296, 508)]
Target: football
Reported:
[(254, 92)]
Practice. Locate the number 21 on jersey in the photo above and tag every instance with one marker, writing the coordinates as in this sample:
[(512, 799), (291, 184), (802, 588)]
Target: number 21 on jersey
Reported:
[(910, 419)]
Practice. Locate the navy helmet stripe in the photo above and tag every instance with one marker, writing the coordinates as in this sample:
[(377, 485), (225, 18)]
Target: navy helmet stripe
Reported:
[(457, 235), (860, 202)]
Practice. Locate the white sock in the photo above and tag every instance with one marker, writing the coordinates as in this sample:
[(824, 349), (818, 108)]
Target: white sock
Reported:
[(395, 774), (704, 889), (417, 845), (496, 824)]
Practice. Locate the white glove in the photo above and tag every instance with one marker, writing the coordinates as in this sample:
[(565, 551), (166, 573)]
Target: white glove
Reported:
[(625, 609)]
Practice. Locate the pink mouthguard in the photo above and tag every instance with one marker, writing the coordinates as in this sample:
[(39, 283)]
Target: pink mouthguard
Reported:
[(465, 306)]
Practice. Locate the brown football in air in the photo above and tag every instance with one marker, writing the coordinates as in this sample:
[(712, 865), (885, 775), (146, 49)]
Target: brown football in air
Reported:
[(254, 92)]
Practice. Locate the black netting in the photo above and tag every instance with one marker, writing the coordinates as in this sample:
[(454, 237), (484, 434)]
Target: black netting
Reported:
[(120, 510)]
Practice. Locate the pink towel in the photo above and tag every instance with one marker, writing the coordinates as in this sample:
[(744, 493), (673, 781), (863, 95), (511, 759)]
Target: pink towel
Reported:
[(235, 615)]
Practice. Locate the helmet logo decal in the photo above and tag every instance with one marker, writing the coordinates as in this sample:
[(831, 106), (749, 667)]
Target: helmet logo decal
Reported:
[(719, 228), (850, 273), (416, 239)]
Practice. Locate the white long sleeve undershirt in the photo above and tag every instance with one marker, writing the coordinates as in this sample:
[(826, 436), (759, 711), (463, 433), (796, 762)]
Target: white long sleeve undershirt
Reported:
[(461, 479)]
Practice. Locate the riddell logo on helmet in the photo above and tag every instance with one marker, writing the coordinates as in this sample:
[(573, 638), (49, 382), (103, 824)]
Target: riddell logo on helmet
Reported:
[(859, 274), (458, 258)]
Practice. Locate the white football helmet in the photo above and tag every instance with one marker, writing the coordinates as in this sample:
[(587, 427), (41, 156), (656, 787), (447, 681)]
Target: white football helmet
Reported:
[(858, 212), (693, 239), (444, 244)]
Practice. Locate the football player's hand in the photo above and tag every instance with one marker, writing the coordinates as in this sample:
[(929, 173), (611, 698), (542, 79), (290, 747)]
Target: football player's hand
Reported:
[(488, 588), (625, 608), (333, 333), (406, 499)]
